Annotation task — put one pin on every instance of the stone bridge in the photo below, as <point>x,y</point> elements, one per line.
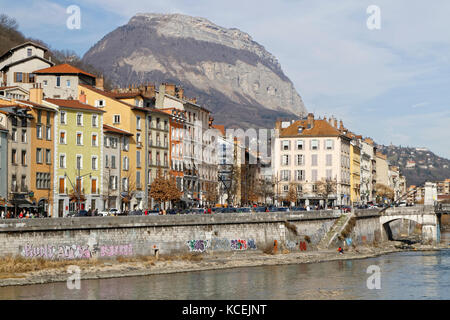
<point>426,216</point>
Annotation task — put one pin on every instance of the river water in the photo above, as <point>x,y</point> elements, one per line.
<point>404,275</point>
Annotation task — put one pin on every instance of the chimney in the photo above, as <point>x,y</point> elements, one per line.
<point>82,98</point>
<point>181,93</point>
<point>170,89</point>
<point>310,120</point>
<point>335,123</point>
<point>341,125</point>
<point>150,91</point>
<point>99,83</point>
<point>36,93</point>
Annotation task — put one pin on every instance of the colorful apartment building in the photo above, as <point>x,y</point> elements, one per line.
<point>42,142</point>
<point>61,81</point>
<point>307,151</point>
<point>78,157</point>
<point>355,170</point>
<point>18,64</point>
<point>130,118</point>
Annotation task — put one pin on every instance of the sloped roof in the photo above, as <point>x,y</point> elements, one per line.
<point>73,104</point>
<point>64,68</point>
<point>113,96</point>
<point>107,128</point>
<point>321,128</point>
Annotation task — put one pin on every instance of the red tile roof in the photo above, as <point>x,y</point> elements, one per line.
<point>219,127</point>
<point>64,68</point>
<point>320,128</point>
<point>74,104</point>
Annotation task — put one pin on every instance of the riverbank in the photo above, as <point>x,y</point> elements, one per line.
<point>144,266</point>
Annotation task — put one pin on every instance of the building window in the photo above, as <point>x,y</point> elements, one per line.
<point>314,159</point>
<point>299,160</point>
<point>39,116</point>
<point>24,157</point>
<point>58,81</point>
<point>48,156</point>
<point>116,118</point>
<point>106,161</point>
<point>285,175</point>
<point>24,136</point>
<point>285,145</point>
<point>125,143</point>
<point>94,140</point>
<point>39,131</point>
<point>19,77</point>
<point>125,163</point>
<point>138,122</point>
<point>45,82</point>
<point>13,156</point>
<point>48,133</point>
<point>314,175</point>
<point>329,159</point>
<point>329,174</point>
<point>42,180</point>
<point>63,117</point>
<point>314,144</point>
<point>79,119</point>
<point>39,155</point>
<point>29,52</point>
<point>285,160</point>
<point>68,83</point>
<point>138,159</point>
<point>100,103</point>
<point>300,175</point>
<point>14,134</point>
<point>286,188</point>
<point>138,179</point>
<point>95,120</point>
<point>329,144</point>
<point>79,162</point>
<point>125,184</point>
<point>94,163</point>
<point>299,144</point>
<point>62,160</point>
<point>113,162</point>
<point>62,137</point>
<point>79,138</point>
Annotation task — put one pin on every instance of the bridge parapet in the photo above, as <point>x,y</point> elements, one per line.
<point>417,209</point>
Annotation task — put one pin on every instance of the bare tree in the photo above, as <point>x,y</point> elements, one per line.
<point>326,187</point>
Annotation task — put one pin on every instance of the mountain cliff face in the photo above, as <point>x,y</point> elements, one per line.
<point>230,74</point>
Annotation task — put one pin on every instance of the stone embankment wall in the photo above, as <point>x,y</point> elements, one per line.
<point>109,237</point>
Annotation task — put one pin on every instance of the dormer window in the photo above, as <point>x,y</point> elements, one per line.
<point>29,52</point>
<point>300,129</point>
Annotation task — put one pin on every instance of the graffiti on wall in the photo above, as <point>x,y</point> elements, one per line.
<point>221,244</point>
<point>75,251</point>
<point>292,245</point>
<point>198,245</point>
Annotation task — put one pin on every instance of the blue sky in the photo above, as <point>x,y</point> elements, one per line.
<point>391,84</point>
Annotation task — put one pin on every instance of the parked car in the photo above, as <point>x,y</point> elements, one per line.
<point>109,212</point>
<point>298,209</point>
<point>152,212</point>
<point>82,213</point>
<point>171,211</point>
<point>259,209</point>
<point>198,211</point>
<point>242,210</point>
<point>228,210</point>
<point>136,213</point>
<point>346,209</point>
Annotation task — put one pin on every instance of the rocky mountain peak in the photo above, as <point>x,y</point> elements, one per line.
<point>230,73</point>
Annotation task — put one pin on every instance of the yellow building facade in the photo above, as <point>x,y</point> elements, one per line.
<point>355,172</point>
